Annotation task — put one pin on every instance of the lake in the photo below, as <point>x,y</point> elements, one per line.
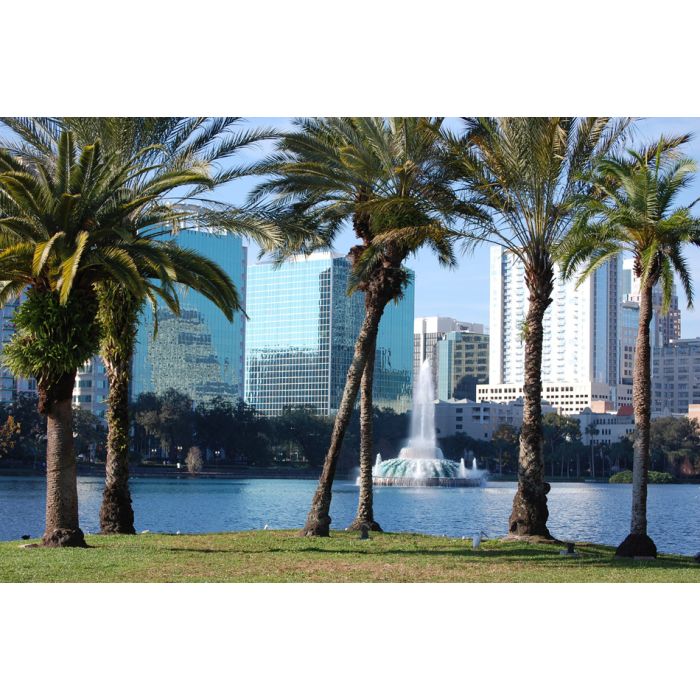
<point>578,511</point>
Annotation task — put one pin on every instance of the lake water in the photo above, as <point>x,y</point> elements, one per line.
<point>583,512</point>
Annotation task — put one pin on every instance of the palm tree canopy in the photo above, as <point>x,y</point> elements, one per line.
<point>636,211</point>
<point>168,144</point>
<point>385,176</point>
<point>188,155</point>
<point>529,174</point>
<point>66,217</point>
<point>65,226</point>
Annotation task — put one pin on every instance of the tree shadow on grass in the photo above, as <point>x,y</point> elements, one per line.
<point>524,554</point>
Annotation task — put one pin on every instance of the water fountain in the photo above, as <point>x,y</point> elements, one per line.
<point>421,462</point>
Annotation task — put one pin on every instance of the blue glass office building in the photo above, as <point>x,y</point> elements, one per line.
<point>199,353</point>
<point>301,334</point>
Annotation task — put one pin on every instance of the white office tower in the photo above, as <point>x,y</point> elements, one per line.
<point>91,390</point>
<point>579,358</point>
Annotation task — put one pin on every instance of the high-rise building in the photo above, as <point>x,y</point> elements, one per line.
<point>676,376</point>
<point>301,335</point>
<point>664,327</point>
<point>427,331</point>
<point>199,352</point>
<point>580,343</point>
<point>629,325</point>
<point>580,325</point>
<point>463,362</point>
<point>606,288</point>
<point>91,388</point>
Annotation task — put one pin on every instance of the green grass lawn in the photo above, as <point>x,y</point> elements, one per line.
<point>280,556</point>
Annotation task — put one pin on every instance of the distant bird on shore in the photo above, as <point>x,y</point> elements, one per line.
<point>266,526</point>
<point>26,537</point>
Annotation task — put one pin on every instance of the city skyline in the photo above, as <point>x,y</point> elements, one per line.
<point>431,285</point>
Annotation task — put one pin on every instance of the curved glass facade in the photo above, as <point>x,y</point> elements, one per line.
<point>199,353</point>
<point>301,335</point>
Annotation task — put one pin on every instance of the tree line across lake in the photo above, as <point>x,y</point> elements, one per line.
<point>168,428</point>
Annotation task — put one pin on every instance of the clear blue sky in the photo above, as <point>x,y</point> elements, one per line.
<point>463,293</point>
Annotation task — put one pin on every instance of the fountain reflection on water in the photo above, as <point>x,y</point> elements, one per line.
<point>421,462</point>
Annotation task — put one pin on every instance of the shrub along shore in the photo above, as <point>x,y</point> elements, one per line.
<point>282,556</point>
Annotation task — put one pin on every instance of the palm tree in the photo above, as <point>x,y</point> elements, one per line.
<point>118,314</point>
<point>62,232</point>
<point>637,213</point>
<point>529,175</point>
<point>183,142</point>
<point>365,501</point>
<point>164,147</point>
<point>386,177</point>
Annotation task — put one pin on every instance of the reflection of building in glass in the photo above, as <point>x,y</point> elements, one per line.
<point>10,385</point>
<point>199,353</point>
<point>301,336</point>
<point>184,341</point>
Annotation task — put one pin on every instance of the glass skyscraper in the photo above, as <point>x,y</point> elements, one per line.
<point>199,352</point>
<point>301,334</point>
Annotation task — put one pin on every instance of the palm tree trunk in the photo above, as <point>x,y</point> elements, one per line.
<point>62,528</point>
<point>638,543</point>
<point>529,515</point>
<point>116,512</point>
<point>318,519</point>
<point>365,510</point>
<point>119,313</point>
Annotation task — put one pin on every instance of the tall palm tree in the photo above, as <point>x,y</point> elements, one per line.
<point>365,500</point>
<point>386,178</point>
<point>529,174</point>
<point>62,235</point>
<point>637,212</point>
<point>165,146</point>
<point>118,314</point>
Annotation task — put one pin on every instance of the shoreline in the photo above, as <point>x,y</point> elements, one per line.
<point>172,472</point>
<point>283,473</point>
